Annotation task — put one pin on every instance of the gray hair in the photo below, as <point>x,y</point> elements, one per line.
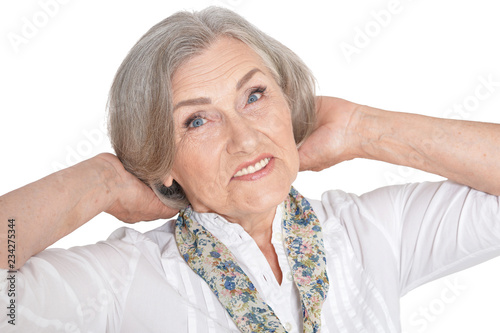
<point>140,103</point>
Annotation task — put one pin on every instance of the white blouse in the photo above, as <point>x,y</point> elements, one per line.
<point>378,247</point>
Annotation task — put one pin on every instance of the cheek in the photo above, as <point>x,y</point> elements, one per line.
<point>279,128</point>
<point>288,141</point>
<point>196,162</point>
<point>185,155</point>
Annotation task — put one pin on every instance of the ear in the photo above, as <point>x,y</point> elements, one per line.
<point>168,180</point>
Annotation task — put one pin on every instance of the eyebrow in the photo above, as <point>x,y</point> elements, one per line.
<point>194,101</point>
<point>206,100</point>
<point>246,78</point>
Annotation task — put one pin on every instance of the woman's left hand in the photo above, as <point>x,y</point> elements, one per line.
<point>466,152</point>
<point>334,137</point>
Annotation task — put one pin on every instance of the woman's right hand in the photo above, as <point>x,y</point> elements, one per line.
<point>50,208</point>
<point>133,201</point>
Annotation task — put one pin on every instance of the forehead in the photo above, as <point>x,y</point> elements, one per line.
<point>223,63</point>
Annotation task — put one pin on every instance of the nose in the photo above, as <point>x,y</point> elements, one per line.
<point>243,137</point>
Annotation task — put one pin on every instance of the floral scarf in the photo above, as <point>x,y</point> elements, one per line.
<point>215,264</point>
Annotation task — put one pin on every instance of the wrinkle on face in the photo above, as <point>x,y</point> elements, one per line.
<point>235,132</point>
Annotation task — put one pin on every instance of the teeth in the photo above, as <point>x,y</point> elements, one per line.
<point>253,168</point>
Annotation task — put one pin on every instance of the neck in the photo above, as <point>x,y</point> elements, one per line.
<point>260,228</point>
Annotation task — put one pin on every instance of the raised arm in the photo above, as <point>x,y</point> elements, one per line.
<point>52,207</point>
<point>464,151</point>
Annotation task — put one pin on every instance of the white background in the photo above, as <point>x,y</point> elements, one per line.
<point>426,58</point>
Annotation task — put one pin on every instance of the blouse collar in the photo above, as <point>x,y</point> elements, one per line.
<point>229,232</point>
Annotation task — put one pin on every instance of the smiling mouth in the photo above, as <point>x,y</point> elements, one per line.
<point>253,168</point>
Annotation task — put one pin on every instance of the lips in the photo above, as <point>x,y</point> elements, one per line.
<point>254,169</point>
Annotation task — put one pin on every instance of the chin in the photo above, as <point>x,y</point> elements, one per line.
<point>270,196</point>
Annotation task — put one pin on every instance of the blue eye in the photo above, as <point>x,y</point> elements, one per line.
<point>197,122</point>
<point>255,96</point>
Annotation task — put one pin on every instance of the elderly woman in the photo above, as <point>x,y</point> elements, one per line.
<point>209,112</point>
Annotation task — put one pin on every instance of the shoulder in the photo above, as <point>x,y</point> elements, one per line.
<point>384,202</point>
<point>153,240</point>
<point>124,244</point>
<point>341,207</point>
<point>377,216</point>
<point>393,213</point>
<point>132,236</point>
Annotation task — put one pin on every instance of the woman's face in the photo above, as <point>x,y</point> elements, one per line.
<point>236,154</point>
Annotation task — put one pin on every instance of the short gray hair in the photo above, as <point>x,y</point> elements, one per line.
<point>140,102</point>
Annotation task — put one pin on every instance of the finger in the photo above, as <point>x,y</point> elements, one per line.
<point>304,159</point>
<point>162,211</point>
